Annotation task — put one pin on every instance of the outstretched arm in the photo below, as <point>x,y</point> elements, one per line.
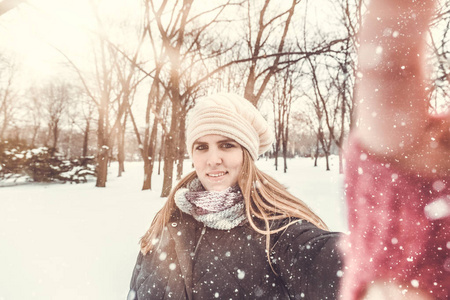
<point>402,171</point>
<point>392,98</point>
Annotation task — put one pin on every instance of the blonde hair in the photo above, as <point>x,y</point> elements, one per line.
<point>265,199</point>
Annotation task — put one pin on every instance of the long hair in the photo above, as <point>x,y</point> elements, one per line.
<point>265,200</point>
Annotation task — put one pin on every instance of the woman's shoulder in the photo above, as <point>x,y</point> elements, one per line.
<point>303,232</point>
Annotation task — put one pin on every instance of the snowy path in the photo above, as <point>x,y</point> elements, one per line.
<point>64,241</point>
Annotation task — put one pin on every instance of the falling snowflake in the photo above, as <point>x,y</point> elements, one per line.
<point>437,209</point>
<point>163,256</point>
<point>438,185</point>
<point>240,274</point>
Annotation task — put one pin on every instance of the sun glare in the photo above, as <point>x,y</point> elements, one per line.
<point>35,33</point>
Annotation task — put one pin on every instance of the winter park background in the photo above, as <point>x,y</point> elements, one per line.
<point>76,241</point>
<point>111,82</point>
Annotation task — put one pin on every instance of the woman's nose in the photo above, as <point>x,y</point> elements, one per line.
<point>214,157</point>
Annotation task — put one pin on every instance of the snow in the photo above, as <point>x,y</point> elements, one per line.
<point>76,241</point>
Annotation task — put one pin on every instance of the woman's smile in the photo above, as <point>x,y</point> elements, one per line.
<point>219,174</point>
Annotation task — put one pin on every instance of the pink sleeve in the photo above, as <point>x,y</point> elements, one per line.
<point>399,227</point>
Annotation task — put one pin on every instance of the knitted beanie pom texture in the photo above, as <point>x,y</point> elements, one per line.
<point>231,116</point>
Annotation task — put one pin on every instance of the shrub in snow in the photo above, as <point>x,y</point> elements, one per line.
<point>12,160</point>
<point>42,165</point>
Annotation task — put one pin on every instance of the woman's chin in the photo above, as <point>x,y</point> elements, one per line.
<point>216,186</point>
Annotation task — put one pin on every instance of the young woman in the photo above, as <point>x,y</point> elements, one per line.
<point>228,230</point>
<point>398,166</point>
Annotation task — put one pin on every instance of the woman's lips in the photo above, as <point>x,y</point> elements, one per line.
<point>216,175</point>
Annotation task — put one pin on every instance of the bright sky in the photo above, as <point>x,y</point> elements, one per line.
<point>31,31</point>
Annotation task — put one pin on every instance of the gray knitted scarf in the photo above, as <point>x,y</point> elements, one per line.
<point>219,210</point>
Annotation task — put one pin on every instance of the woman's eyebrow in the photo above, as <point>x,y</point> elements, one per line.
<point>226,141</point>
<point>200,143</point>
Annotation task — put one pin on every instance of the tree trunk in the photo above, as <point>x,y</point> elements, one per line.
<point>276,158</point>
<point>180,162</point>
<point>149,158</point>
<point>86,138</point>
<point>285,137</point>
<point>285,154</point>
<point>102,155</point>
<point>276,127</point>
<point>161,153</point>
<point>102,167</point>
<point>121,149</point>
<point>181,145</point>
<point>170,149</point>
<point>316,155</point>
<point>55,135</point>
<point>326,149</point>
<point>148,170</point>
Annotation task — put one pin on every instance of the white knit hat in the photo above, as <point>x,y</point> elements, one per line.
<point>232,116</point>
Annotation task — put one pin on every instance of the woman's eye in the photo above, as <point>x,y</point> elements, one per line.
<point>201,147</point>
<point>228,145</point>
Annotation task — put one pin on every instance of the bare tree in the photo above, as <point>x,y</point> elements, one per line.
<point>128,78</point>
<point>155,100</point>
<point>316,123</point>
<point>332,98</point>
<point>347,66</point>
<point>282,103</point>
<point>55,97</point>
<point>33,113</point>
<point>270,37</point>
<point>110,87</point>
<point>282,98</point>
<point>302,137</point>
<point>173,38</point>
<point>82,113</point>
<point>332,76</point>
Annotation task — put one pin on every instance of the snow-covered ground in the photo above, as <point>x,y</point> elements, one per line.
<point>69,241</point>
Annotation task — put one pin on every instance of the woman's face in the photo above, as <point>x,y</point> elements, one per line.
<point>217,161</point>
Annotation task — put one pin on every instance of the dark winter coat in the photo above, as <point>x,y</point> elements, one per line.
<point>195,262</point>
